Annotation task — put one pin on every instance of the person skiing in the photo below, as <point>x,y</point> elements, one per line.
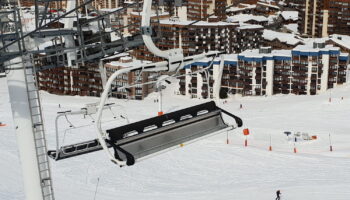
<point>278,193</point>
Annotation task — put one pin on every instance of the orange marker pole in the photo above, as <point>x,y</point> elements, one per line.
<point>246,133</point>
<point>270,148</point>
<point>160,103</point>
<point>330,144</point>
<point>295,149</point>
<point>227,140</point>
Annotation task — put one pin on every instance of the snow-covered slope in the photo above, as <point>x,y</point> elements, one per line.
<point>209,169</point>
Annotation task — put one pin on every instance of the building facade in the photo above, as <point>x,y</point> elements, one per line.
<point>306,70</point>
<point>204,36</point>
<point>82,81</point>
<point>202,9</point>
<point>323,18</point>
<point>136,79</point>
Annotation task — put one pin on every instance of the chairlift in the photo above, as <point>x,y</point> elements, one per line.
<point>138,140</point>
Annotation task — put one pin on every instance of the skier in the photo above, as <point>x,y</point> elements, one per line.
<point>278,193</point>
<point>240,106</point>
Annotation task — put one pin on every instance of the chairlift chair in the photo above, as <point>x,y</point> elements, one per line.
<point>138,140</point>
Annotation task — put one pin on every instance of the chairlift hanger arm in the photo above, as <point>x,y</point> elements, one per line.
<point>83,111</point>
<point>173,56</point>
<point>102,137</point>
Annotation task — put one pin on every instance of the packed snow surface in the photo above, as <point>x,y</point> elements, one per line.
<point>208,169</point>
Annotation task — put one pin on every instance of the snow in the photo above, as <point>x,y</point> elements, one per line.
<point>241,7</point>
<point>254,53</point>
<point>268,4</point>
<point>153,14</point>
<point>208,169</point>
<point>244,26</point>
<point>308,46</point>
<point>283,37</point>
<point>198,23</point>
<point>290,15</point>
<point>110,9</point>
<point>241,18</point>
<point>342,40</point>
<point>133,63</point>
<point>292,27</point>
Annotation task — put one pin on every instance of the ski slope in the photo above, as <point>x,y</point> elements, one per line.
<point>206,170</point>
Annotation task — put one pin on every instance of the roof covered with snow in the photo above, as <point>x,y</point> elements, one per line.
<point>243,26</point>
<point>287,38</point>
<point>241,7</point>
<point>342,40</point>
<point>133,63</point>
<point>154,14</point>
<point>290,15</point>
<point>292,27</point>
<point>254,53</point>
<point>269,4</point>
<point>200,23</point>
<point>247,17</point>
<point>316,47</point>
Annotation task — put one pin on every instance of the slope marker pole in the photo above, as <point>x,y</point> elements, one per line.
<point>98,180</point>
<point>330,143</point>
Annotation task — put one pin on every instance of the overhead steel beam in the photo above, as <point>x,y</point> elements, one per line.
<point>45,25</point>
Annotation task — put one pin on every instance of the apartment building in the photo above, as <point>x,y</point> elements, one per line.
<point>201,9</point>
<point>249,19</point>
<point>204,36</point>
<point>241,9</point>
<point>267,7</point>
<point>341,41</point>
<point>27,3</point>
<point>323,18</point>
<point>135,78</point>
<point>61,4</point>
<point>82,81</point>
<point>107,4</point>
<point>279,40</point>
<point>247,36</point>
<point>308,69</point>
<point>54,4</point>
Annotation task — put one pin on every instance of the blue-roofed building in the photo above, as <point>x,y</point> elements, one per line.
<point>306,70</point>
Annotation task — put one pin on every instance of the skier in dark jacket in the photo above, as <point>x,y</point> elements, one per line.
<point>278,193</point>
